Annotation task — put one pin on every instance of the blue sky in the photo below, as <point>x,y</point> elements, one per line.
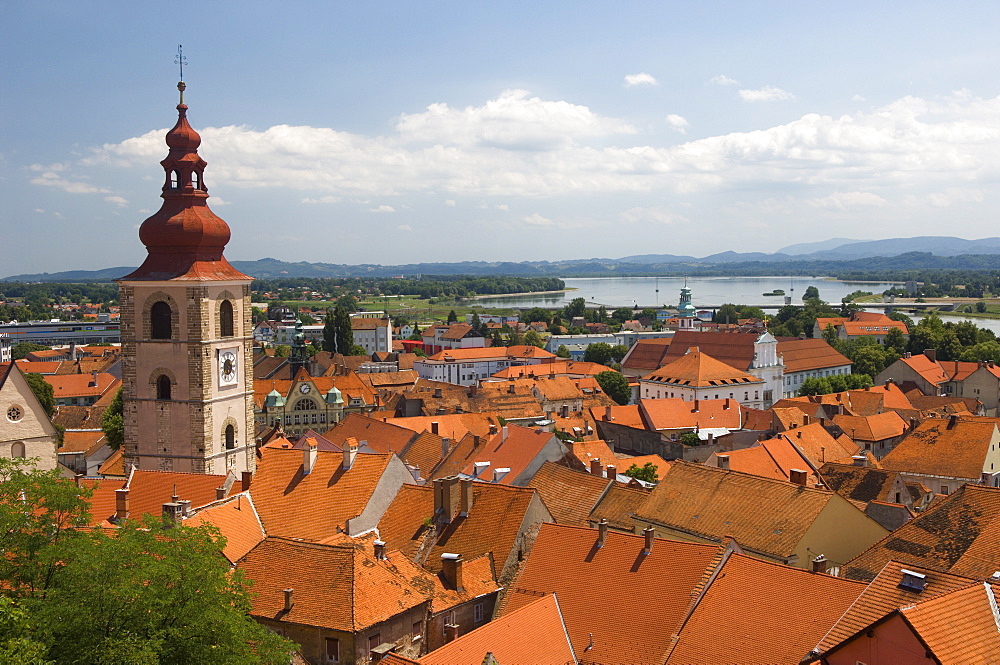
<point>403,132</point>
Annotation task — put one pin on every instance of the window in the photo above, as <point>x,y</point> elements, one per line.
<point>226,318</point>
<point>478,612</point>
<point>175,180</point>
<point>418,631</point>
<point>196,180</point>
<point>14,414</point>
<point>230,437</point>
<point>17,449</point>
<point>163,387</point>
<point>449,617</point>
<point>374,641</point>
<point>159,320</point>
<point>305,405</point>
<point>944,489</point>
<point>332,650</point>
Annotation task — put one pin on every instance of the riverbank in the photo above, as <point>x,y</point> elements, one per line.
<point>487,296</point>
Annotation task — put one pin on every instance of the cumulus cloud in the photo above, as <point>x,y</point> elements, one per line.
<point>678,123</point>
<point>848,200</point>
<point>120,201</point>
<point>49,177</point>
<point>321,199</point>
<point>722,79</point>
<point>382,208</point>
<point>503,206</point>
<point>642,78</point>
<point>955,195</point>
<point>858,98</point>
<point>39,210</point>
<point>535,219</point>
<point>766,94</point>
<point>404,227</point>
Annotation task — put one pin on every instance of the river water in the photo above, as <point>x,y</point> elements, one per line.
<point>705,292</point>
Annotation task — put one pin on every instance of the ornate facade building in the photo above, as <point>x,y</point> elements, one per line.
<point>186,330</point>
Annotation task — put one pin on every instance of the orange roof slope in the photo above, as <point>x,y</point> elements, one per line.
<point>944,447</point>
<point>859,483</point>
<point>81,385</point>
<point>569,495</point>
<point>585,451</point>
<point>521,352</point>
<point>736,349</point>
<point>714,503</point>
<point>801,355</point>
<point>381,436</point>
<point>491,526</point>
<point>773,458</point>
<point>647,354</point>
<point>81,441</point>
<point>618,506</point>
<point>929,370</point>
<point>149,490</point>
<point>961,626</point>
<point>238,522</point>
<point>541,639</point>
<point>339,586</point>
<point>769,613</point>
<point>452,425</point>
<point>515,451</point>
<point>884,594</point>
<point>599,589</point>
<point>958,534</point>
<point>877,427</point>
<point>316,505</point>
<point>818,445</point>
<point>676,413</point>
<point>699,370</point>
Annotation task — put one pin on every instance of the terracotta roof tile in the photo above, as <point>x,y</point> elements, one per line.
<point>82,385</point>
<point>623,463</point>
<point>569,495</point>
<point>945,447</point>
<point>114,465</point>
<point>676,413</point>
<point>558,367</point>
<point>628,415</point>
<point>492,352</point>
<point>773,458</point>
<point>735,349</point>
<point>959,627</point>
<point>878,427</point>
<point>618,506</point>
<point>149,490</point>
<point>696,369</point>
<point>452,425</point>
<point>381,436</point>
<point>817,445</point>
<point>585,451</point>
<point>801,355</point>
<point>80,441</point>
<point>859,483</point>
<point>647,354</point>
<point>237,520</point>
<point>542,639</point>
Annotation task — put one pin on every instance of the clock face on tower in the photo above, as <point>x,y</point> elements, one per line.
<point>227,367</point>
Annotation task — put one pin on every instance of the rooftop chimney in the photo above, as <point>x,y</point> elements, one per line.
<point>913,422</point>
<point>506,432</point>
<point>888,382</point>
<point>612,472</point>
<point>288,599</point>
<point>695,409</point>
<point>860,460</point>
<point>805,421</point>
<point>648,545</point>
<point>607,413</point>
<point>437,393</point>
<point>220,493</point>
<point>445,446</point>
<point>350,450</point>
<point>511,388</point>
<point>450,632</point>
<point>443,504</point>
<point>602,532</point>
<point>798,476</point>
<point>380,550</point>
<point>309,457</point>
<point>451,568</point>
<point>931,354</point>
<point>952,421</point>
<point>722,461</point>
<point>595,466</point>
<point>435,427</point>
<point>819,564</point>
<point>245,479</point>
<point>121,504</point>
<point>173,511</point>
<point>93,379</point>
<point>466,503</point>
<point>499,474</point>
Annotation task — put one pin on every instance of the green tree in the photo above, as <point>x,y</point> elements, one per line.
<point>452,317</point>
<point>338,336</point>
<point>357,350</point>
<point>618,352</point>
<point>282,351</point>
<point>536,315</point>
<point>598,352</point>
<point>576,307</point>
<point>622,314</point>
<point>17,647</point>
<point>811,293</point>
<point>532,338</point>
<point>113,422</point>
<point>22,349</point>
<point>43,391</point>
<point>981,307</point>
<point>816,386</point>
<point>727,313</point>
<point>348,302</point>
<point>690,439</point>
<point>563,352</point>
<point>870,359</point>
<point>857,381</point>
<point>615,386</point>
<point>894,339</point>
<point>477,323</point>
<point>830,335</point>
<point>646,472</point>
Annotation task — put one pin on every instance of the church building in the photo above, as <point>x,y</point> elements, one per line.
<point>186,331</point>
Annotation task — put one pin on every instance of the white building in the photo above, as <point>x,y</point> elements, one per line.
<point>466,367</point>
<point>374,334</point>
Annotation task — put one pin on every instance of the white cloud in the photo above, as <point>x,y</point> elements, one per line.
<point>321,199</point>
<point>219,201</point>
<point>722,79</point>
<point>39,210</point>
<point>50,178</point>
<point>59,215</point>
<point>848,200</point>
<point>955,195</point>
<point>503,206</point>
<point>404,227</point>
<point>656,215</point>
<point>678,123</point>
<point>450,203</point>
<point>641,78</point>
<point>120,201</point>
<point>858,98</point>
<point>382,208</point>
<point>766,94</point>
<point>535,219</point>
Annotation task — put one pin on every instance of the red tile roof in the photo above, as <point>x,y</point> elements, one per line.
<point>149,490</point>
<point>237,521</point>
<point>878,427</point>
<point>695,369</point>
<point>569,495</point>
<point>676,413</point>
<point>81,385</point>
<point>801,355</point>
<point>945,447</point>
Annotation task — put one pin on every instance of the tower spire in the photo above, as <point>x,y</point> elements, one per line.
<point>180,62</point>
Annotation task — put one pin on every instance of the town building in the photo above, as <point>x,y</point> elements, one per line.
<point>809,359</point>
<point>25,429</point>
<point>696,375</point>
<point>860,324</point>
<point>466,367</point>
<point>186,330</point>
<point>371,333</point>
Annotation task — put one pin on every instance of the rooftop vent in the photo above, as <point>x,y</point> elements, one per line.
<point>912,581</point>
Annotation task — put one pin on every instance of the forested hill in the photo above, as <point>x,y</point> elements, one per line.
<point>857,268</point>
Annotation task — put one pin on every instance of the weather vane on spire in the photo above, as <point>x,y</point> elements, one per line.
<point>181,61</point>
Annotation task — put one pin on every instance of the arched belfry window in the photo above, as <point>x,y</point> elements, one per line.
<point>163,387</point>
<point>159,320</point>
<point>196,180</point>
<point>226,318</point>
<point>230,437</point>
<point>175,180</point>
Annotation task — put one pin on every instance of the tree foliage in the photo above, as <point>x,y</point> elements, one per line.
<point>20,350</point>
<point>615,386</point>
<point>598,352</point>
<point>338,336</point>
<point>43,391</point>
<point>646,472</point>
<point>113,422</point>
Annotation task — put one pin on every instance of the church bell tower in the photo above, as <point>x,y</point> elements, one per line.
<point>187,370</point>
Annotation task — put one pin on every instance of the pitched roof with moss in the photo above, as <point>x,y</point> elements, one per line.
<point>945,447</point>
<point>569,495</point>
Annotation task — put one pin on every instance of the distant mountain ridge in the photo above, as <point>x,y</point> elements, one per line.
<point>896,253</point>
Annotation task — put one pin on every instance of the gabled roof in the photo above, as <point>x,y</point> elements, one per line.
<point>547,369</point>
<point>735,349</point>
<point>515,450</point>
<point>82,441</point>
<point>628,415</point>
<point>676,413</point>
<point>237,520</point>
<point>773,458</point>
<point>492,352</point>
<point>369,323</point>
<point>381,436</point>
<point>817,445</point>
<point>618,506</point>
<point>647,354</point>
<point>929,370</point>
<point>541,639</point>
<point>569,495</point>
<point>699,370</point>
<point>802,355</point>
<point>459,330</point>
<point>944,447</point>
<point>962,626</point>
<point>714,504</point>
<point>599,589</point>
<point>858,483</point>
<point>492,524</point>
<point>316,505</point>
<point>340,586</point>
<point>149,490</point>
<point>878,427</point>
<point>555,388</point>
<point>585,451</point>
<point>81,385</point>
<point>960,534</point>
<point>758,612</point>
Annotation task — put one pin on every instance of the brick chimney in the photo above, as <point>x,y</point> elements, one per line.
<point>931,354</point>
<point>607,413</point>
<point>505,434</point>
<point>121,504</point>
<point>288,599</point>
<point>450,632</point>
<point>798,476</point>
<point>602,532</point>
<point>466,499</point>
<point>952,421</point>
<point>444,503</point>
<point>819,564</point>
<point>612,472</point>
<point>722,461</point>
<point>350,450</point>
<point>595,466</point>
<point>695,409</point>
<point>647,534</point>
<point>309,457</point>
<point>451,568</point>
